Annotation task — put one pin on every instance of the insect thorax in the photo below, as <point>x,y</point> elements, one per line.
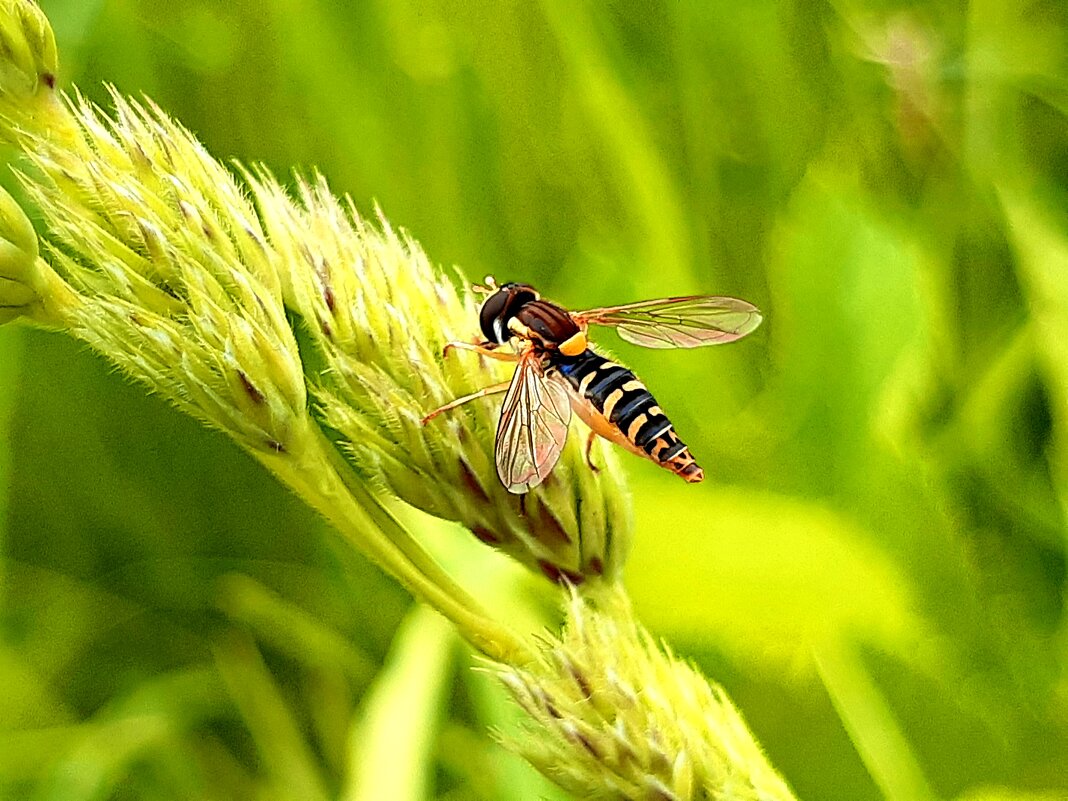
<point>547,323</point>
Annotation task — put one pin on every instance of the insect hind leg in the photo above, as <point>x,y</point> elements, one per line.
<point>589,452</point>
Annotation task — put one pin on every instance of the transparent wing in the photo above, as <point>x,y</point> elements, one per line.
<point>533,426</point>
<point>678,322</point>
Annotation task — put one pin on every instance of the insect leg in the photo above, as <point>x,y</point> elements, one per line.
<point>589,452</point>
<point>490,390</point>
<point>481,348</point>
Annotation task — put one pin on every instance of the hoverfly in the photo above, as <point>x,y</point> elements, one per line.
<point>557,372</point>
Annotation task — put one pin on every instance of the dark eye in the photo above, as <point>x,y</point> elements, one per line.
<point>492,310</point>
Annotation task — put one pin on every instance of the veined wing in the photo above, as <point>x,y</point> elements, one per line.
<point>687,322</point>
<point>533,426</point>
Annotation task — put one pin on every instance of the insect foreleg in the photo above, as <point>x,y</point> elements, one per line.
<point>465,399</point>
<point>486,349</point>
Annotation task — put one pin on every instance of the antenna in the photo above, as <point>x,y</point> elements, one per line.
<point>489,288</point>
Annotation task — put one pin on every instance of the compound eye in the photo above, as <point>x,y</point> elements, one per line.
<point>491,317</point>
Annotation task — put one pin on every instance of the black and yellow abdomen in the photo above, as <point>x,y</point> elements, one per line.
<point>617,406</point>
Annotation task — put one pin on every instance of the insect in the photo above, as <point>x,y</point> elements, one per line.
<point>557,372</point>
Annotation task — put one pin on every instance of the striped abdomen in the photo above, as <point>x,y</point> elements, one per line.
<point>625,412</point>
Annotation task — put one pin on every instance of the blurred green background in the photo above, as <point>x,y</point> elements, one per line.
<point>875,568</point>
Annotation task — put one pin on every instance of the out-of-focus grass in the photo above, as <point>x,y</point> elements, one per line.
<point>876,566</point>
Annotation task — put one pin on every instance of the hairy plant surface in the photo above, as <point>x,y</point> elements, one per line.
<point>216,502</point>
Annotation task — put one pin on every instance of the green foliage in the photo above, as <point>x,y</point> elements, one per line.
<point>875,568</point>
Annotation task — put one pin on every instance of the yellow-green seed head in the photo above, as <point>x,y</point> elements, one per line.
<point>176,273</point>
<point>29,288</point>
<point>18,256</point>
<point>615,717</point>
<point>381,315</point>
<point>28,67</point>
<point>176,276</point>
